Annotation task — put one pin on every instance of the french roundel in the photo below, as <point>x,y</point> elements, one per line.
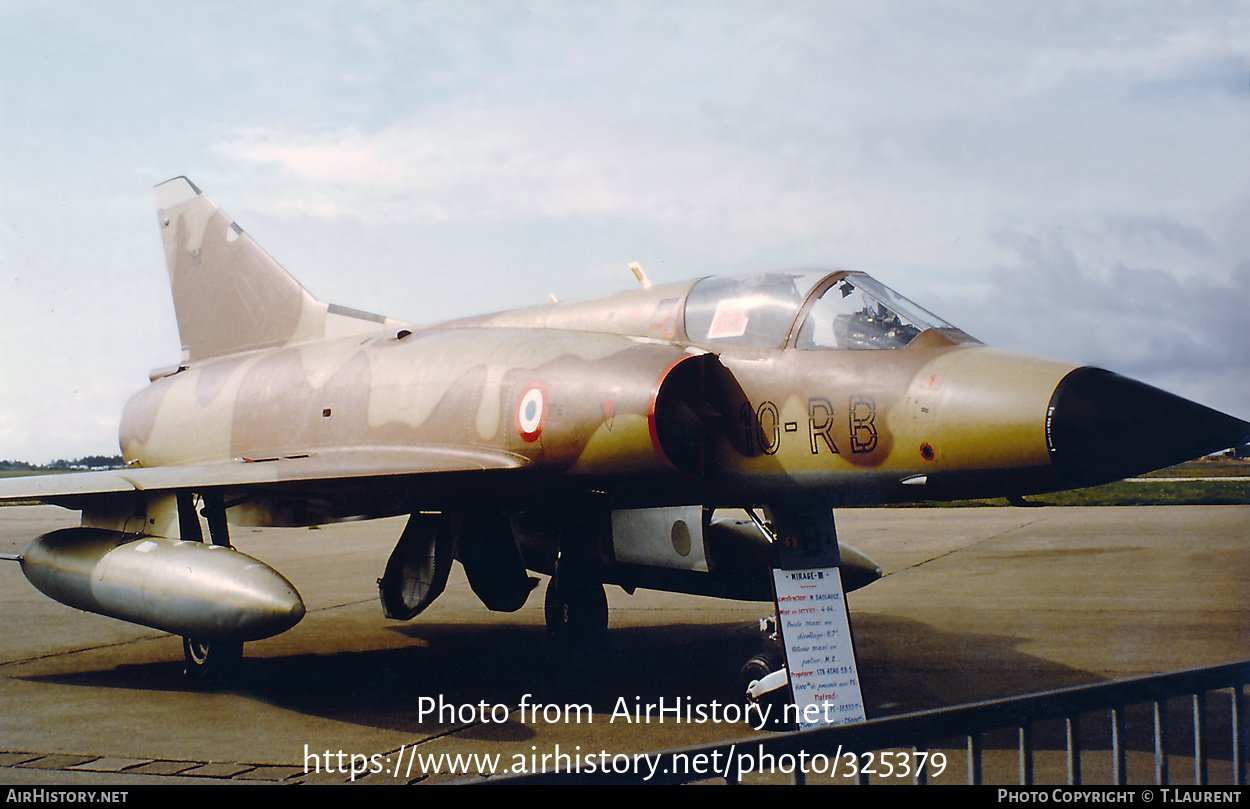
<point>531,411</point>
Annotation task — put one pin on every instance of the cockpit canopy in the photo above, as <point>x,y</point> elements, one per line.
<point>842,310</point>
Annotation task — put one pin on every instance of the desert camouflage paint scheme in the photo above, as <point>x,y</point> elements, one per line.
<point>590,440</point>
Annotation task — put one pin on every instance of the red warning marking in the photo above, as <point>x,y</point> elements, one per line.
<point>609,408</point>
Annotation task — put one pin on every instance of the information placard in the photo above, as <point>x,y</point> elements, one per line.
<point>816,631</point>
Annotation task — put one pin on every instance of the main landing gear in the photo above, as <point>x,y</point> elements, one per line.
<point>207,662</point>
<point>575,607</point>
<point>211,662</point>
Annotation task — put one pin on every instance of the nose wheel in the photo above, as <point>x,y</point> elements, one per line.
<point>211,662</point>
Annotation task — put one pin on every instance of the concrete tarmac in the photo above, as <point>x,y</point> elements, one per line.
<point>975,604</point>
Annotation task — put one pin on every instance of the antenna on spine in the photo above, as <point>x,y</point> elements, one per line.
<point>643,281</point>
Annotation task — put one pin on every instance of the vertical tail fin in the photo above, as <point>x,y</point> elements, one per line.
<point>229,295</point>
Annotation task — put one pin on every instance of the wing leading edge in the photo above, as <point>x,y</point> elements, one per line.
<point>326,466</point>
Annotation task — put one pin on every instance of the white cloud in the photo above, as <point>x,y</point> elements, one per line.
<point>466,164</point>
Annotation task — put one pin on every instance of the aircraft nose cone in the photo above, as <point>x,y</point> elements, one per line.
<point>1102,427</point>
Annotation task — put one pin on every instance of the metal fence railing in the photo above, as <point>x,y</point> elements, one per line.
<point>1138,713</point>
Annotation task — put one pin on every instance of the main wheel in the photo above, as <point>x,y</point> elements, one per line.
<point>575,609</point>
<point>211,662</point>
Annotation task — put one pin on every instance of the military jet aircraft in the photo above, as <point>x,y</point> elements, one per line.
<point>591,441</point>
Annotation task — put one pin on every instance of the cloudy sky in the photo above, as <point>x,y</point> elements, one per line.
<point>1067,179</point>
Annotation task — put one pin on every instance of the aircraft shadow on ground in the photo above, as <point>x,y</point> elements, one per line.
<point>904,666</point>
